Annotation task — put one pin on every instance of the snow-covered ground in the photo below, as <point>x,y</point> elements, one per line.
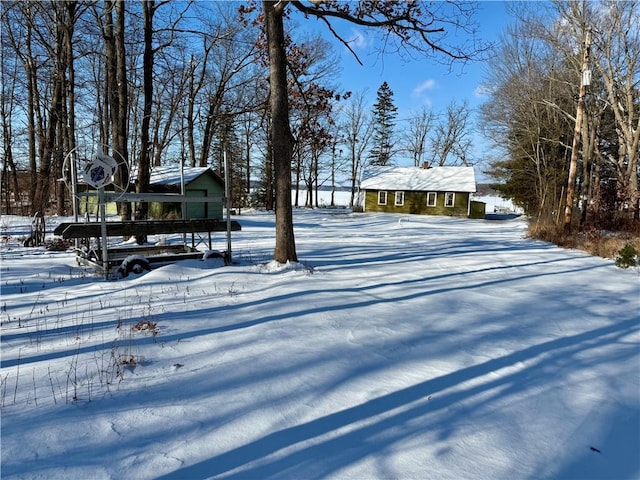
<point>399,347</point>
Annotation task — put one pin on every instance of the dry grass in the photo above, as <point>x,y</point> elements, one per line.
<point>146,326</point>
<point>606,244</point>
<point>601,243</point>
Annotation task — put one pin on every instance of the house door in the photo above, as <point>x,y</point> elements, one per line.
<point>197,209</point>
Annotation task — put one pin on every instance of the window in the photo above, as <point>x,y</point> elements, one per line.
<point>382,197</point>
<point>449,199</point>
<point>399,199</point>
<point>431,199</point>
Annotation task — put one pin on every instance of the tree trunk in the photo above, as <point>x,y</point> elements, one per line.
<point>247,161</point>
<point>111,96</point>
<point>47,142</point>
<point>354,170</point>
<point>281,138</point>
<point>209,130</point>
<point>298,169</point>
<point>589,131</point>
<point>268,172</point>
<point>191,98</point>
<point>50,135</point>
<point>62,142</point>
<point>144,160</point>
<point>315,177</point>
<point>69,129</point>
<point>32,92</point>
<point>573,166</point>
<point>122,103</point>
<point>9,171</point>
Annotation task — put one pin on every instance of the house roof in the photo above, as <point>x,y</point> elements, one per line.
<point>170,175</point>
<point>438,179</point>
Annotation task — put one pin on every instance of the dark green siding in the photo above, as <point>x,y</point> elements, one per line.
<point>204,185</point>
<point>416,202</point>
<point>478,209</point>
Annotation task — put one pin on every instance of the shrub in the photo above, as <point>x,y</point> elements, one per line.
<point>623,246</point>
<point>58,245</point>
<point>627,257</point>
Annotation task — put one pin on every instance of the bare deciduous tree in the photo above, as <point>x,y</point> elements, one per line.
<point>451,138</point>
<point>419,126</point>
<point>8,103</point>
<point>358,130</point>
<point>407,26</point>
<point>539,77</point>
<point>617,59</point>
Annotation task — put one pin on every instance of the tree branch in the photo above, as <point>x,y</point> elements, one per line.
<point>406,22</point>
<point>342,40</point>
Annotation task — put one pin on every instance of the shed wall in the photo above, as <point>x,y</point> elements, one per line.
<point>205,185</point>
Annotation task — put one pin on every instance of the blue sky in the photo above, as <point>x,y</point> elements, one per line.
<point>420,82</point>
<point>423,82</point>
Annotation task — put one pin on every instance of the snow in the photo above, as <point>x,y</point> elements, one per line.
<point>171,175</point>
<point>398,347</point>
<point>496,204</point>
<point>438,179</point>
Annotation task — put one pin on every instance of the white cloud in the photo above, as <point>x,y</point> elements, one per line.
<point>358,39</point>
<point>424,87</point>
<point>482,91</point>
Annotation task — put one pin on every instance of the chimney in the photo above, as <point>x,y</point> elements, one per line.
<point>425,165</point>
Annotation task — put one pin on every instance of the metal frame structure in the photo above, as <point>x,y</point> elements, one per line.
<point>106,259</point>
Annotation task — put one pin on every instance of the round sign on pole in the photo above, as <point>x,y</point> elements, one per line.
<point>95,171</point>
<point>99,171</point>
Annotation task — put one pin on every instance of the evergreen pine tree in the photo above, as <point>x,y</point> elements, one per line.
<point>384,115</point>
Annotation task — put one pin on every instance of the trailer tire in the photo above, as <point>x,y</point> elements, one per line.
<point>136,264</point>
<point>211,254</point>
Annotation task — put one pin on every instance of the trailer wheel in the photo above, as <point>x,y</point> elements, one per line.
<point>210,254</point>
<point>133,264</point>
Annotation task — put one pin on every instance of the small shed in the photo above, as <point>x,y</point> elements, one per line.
<point>198,182</point>
<point>424,191</point>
